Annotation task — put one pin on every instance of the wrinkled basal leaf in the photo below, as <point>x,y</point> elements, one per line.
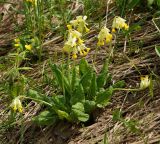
<point>102,99</point>
<point>78,95</point>
<point>79,112</point>
<point>45,118</point>
<point>89,106</point>
<point>63,115</point>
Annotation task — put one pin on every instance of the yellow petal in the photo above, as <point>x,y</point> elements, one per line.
<point>20,109</point>
<point>113,30</point>
<point>100,43</point>
<point>28,47</point>
<point>145,82</point>
<point>81,53</point>
<point>14,108</point>
<point>17,40</point>
<point>87,29</point>
<point>69,27</point>
<point>74,56</point>
<point>88,49</point>
<point>126,26</point>
<point>84,53</point>
<point>80,41</point>
<point>17,45</point>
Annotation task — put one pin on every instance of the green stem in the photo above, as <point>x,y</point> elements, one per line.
<point>125,89</point>
<point>95,55</point>
<point>46,103</point>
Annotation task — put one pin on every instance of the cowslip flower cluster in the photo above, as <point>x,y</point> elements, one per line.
<point>119,23</point>
<point>16,105</point>
<point>104,35</point>
<point>145,82</point>
<point>80,24</point>
<point>75,44</point>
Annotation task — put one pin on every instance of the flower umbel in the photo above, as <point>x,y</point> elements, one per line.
<point>145,82</point>
<point>104,35</point>
<point>119,23</point>
<point>73,37</point>
<point>17,105</point>
<point>74,44</point>
<point>80,24</point>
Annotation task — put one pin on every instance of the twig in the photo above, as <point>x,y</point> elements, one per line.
<point>156,24</point>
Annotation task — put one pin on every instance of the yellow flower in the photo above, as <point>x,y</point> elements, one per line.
<point>74,56</point>
<point>32,40</point>
<point>28,47</point>
<point>17,45</point>
<point>69,27</point>
<point>119,23</point>
<point>72,40</point>
<point>104,35</point>
<point>145,82</point>
<point>17,40</point>
<point>80,24</point>
<point>113,30</point>
<point>80,41</point>
<point>17,105</point>
<point>83,50</point>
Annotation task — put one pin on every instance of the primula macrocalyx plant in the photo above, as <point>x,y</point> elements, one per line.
<point>17,105</point>
<point>119,23</point>
<point>80,24</point>
<point>104,35</point>
<point>145,82</point>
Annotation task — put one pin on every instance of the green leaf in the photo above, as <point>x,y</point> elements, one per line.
<point>89,106</point>
<point>63,114</point>
<point>61,79</point>
<point>25,68</point>
<point>74,79</point>
<point>119,84</point>
<point>86,80</point>
<point>79,112</point>
<point>93,87</point>
<point>105,139</point>
<point>101,79</point>
<point>78,95</point>
<point>150,2</point>
<point>45,118</point>
<point>105,66</point>
<point>132,125</point>
<point>38,97</point>
<point>34,94</point>
<point>157,49</point>
<point>102,99</point>
<point>83,66</point>
<point>158,3</point>
<point>117,115</point>
<point>59,102</point>
<point>132,4</point>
